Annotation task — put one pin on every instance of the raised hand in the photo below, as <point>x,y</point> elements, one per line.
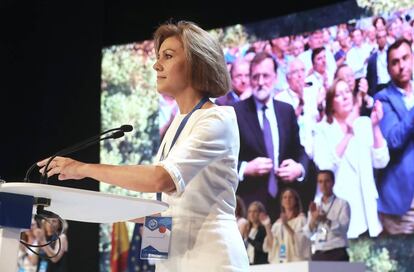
<point>264,219</point>
<point>376,113</point>
<point>313,210</point>
<point>363,86</point>
<point>283,217</point>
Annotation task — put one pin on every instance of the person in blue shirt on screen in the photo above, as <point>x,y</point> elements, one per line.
<point>395,182</point>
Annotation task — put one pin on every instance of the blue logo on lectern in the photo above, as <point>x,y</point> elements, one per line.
<point>152,224</point>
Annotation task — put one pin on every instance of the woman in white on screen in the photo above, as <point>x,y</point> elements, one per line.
<point>198,175</point>
<point>352,146</point>
<point>285,241</point>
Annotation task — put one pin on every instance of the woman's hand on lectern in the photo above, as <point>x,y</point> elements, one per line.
<point>66,168</point>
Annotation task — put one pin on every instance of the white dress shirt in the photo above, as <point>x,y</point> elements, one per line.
<point>271,116</point>
<point>383,76</point>
<point>408,99</point>
<point>357,58</point>
<point>338,213</point>
<point>308,120</point>
<point>306,58</point>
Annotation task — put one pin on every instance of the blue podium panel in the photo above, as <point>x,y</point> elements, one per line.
<point>16,210</point>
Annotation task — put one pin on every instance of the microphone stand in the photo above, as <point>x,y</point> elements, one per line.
<point>120,130</point>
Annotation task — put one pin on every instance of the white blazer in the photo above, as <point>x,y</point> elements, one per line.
<point>354,176</point>
<point>203,165</point>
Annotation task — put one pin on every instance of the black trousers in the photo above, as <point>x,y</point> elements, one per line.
<point>336,254</point>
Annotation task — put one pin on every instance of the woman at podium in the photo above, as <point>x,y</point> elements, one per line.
<point>196,165</point>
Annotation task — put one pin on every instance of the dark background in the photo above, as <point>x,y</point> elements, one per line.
<point>50,53</point>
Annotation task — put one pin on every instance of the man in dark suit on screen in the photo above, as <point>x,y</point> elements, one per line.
<point>377,73</point>
<point>240,83</point>
<point>271,156</point>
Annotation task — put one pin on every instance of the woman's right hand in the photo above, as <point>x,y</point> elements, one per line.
<point>314,213</point>
<point>376,113</point>
<point>66,168</point>
<point>284,218</point>
<point>313,210</point>
<point>264,219</point>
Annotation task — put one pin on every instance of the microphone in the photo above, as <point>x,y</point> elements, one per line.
<point>308,84</point>
<point>126,128</point>
<point>119,132</point>
<point>115,135</point>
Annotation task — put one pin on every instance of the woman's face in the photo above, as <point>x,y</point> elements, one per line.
<point>253,214</point>
<point>343,100</point>
<point>288,200</point>
<point>171,67</point>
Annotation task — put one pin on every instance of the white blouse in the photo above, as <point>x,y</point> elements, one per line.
<point>354,176</point>
<point>298,245</point>
<point>203,166</point>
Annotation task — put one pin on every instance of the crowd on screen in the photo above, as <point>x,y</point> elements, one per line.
<point>50,234</point>
<point>333,107</point>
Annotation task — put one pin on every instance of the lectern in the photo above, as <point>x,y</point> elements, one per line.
<point>313,266</point>
<point>68,203</point>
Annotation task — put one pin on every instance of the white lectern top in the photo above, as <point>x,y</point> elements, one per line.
<point>87,206</point>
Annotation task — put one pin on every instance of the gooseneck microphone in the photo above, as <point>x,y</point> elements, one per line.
<point>126,128</point>
<point>123,128</point>
<point>115,135</point>
<point>119,132</point>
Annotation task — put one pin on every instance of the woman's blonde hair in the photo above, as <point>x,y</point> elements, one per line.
<point>205,58</point>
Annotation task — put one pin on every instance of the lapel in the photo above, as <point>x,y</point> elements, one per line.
<point>374,65</point>
<point>397,102</point>
<point>352,151</point>
<point>230,98</point>
<point>253,121</point>
<point>280,125</point>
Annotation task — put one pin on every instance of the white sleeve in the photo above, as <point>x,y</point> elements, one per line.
<point>274,230</point>
<point>380,156</point>
<point>302,242</point>
<point>340,222</point>
<point>243,165</point>
<point>325,155</point>
<point>211,137</point>
<point>306,229</point>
